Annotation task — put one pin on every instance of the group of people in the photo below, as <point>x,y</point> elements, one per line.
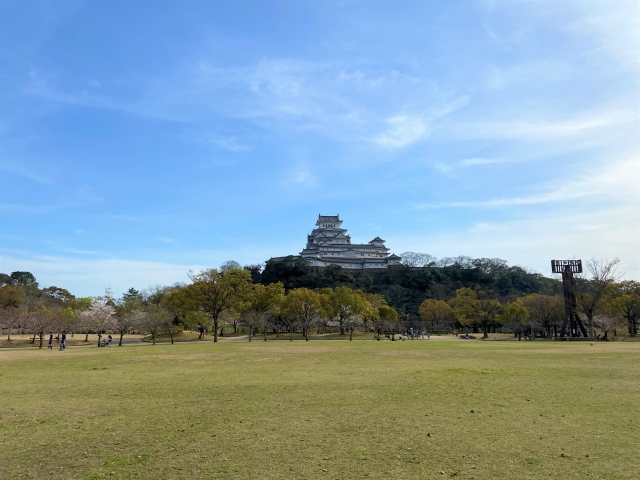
<point>63,341</point>
<point>416,334</point>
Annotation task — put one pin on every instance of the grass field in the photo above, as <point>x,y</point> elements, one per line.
<point>335,410</point>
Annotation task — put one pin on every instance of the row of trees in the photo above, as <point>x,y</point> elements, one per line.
<point>25,307</point>
<point>231,296</point>
<point>216,295</point>
<point>605,304</point>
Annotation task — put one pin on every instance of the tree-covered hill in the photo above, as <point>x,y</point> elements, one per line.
<point>405,287</point>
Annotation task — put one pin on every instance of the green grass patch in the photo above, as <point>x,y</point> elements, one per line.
<point>329,409</point>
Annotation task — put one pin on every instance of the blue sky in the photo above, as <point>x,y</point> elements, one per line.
<point>141,140</point>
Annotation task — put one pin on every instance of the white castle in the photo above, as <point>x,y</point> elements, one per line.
<point>328,244</point>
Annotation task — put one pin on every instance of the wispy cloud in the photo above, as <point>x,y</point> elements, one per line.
<point>468,162</point>
<point>533,241</point>
<point>227,143</point>
<point>41,86</point>
<point>300,175</point>
<point>613,181</point>
<point>403,130</point>
<point>86,276</point>
<point>583,124</point>
<point>40,175</point>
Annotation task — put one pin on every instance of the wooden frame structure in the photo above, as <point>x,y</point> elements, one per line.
<point>572,326</point>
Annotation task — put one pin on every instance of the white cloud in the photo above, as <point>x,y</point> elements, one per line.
<point>85,277</point>
<point>300,175</point>
<point>533,241</point>
<point>615,181</point>
<point>403,130</point>
<point>584,124</point>
<point>467,162</point>
<point>228,143</point>
<point>616,29</point>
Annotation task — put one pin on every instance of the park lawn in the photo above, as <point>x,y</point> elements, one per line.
<point>334,410</point>
<point>24,341</point>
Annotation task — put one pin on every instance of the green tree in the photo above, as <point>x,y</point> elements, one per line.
<point>475,307</point>
<point>516,315</point>
<point>547,311</point>
<point>215,292</point>
<point>387,319</point>
<point>624,303</point>
<point>60,295</point>
<point>261,304</point>
<point>435,312</point>
<point>345,304</point>
<point>302,307</point>
<point>25,279</point>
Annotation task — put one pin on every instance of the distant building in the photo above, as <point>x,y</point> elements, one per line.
<point>328,244</point>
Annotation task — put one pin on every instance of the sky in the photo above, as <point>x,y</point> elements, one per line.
<point>139,140</point>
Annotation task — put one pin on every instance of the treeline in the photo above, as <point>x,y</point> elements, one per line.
<point>463,297</point>
<point>420,277</point>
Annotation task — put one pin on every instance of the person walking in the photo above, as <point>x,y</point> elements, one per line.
<point>110,340</point>
<point>63,341</point>
<point>50,347</point>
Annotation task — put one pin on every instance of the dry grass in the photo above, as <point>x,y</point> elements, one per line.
<point>336,410</point>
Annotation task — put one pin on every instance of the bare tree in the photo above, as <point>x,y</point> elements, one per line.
<point>155,319</point>
<point>413,259</point>
<point>127,316</point>
<point>42,320</point>
<point>592,285</point>
<point>229,265</point>
<point>605,324</point>
<point>100,318</point>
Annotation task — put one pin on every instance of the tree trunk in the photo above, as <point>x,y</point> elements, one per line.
<point>342,327</point>
<point>592,331</point>
<point>351,335</point>
<point>120,342</point>
<point>41,336</point>
<point>265,334</point>
<point>291,333</point>
<point>153,337</point>
<point>215,330</point>
<point>99,337</point>
<point>250,329</point>
<point>86,337</point>
<point>485,333</point>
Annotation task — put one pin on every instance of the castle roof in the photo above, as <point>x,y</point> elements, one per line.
<point>328,218</point>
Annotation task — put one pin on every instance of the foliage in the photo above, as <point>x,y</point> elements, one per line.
<point>213,292</point>
<point>405,287</point>
<point>476,307</point>
<point>302,307</point>
<point>435,312</point>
